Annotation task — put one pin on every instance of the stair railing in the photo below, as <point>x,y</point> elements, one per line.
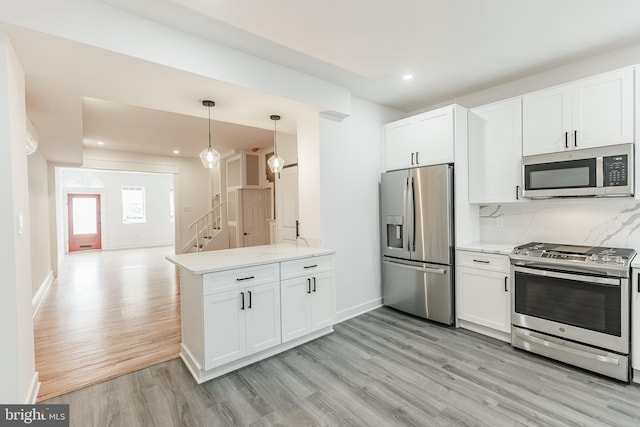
<point>207,226</point>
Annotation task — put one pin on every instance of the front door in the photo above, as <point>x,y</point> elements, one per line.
<point>85,232</point>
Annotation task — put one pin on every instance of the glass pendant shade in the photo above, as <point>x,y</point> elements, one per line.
<point>276,163</point>
<point>210,157</point>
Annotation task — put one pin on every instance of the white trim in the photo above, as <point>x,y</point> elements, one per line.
<point>358,310</point>
<point>636,376</point>
<point>41,292</point>
<point>34,389</point>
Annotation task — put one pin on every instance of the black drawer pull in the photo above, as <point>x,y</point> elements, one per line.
<point>314,284</point>
<point>482,261</point>
<point>249,299</point>
<point>311,266</point>
<point>245,278</point>
<point>308,286</point>
<point>242,293</point>
<point>506,283</point>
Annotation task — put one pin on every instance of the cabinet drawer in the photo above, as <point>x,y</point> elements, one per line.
<point>221,281</point>
<point>483,261</point>
<point>305,266</point>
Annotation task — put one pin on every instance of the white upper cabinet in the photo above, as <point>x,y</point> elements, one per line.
<point>425,139</point>
<point>593,112</point>
<point>495,152</point>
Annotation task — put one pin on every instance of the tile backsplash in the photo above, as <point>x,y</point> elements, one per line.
<point>597,222</point>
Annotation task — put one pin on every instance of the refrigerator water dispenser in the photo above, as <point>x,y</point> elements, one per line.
<point>394,231</point>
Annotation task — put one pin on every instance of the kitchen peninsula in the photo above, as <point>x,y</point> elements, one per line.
<point>241,305</point>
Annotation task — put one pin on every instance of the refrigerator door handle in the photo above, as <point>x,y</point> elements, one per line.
<point>412,267</point>
<point>405,231</point>
<point>412,213</point>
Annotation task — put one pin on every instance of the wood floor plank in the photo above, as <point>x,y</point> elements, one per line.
<point>383,368</point>
<point>107,314</point>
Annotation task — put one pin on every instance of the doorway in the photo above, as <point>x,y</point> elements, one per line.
<point>85,230</point>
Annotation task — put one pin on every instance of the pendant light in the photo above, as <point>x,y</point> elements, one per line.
<point>209,156</point>
<point>276,163</point>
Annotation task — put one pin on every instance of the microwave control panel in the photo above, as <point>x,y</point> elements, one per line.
<point>615,170</point>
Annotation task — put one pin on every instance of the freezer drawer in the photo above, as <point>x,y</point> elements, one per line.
<point>422,289</point>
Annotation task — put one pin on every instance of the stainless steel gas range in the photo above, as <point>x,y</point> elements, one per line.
<point>572,303</point>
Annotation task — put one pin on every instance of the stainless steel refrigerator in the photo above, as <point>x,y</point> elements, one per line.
<point>417,241</point>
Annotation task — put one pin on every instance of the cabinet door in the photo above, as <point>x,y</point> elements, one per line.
<point>495,152</point>
<point>262,316</point>
<point>434,137</point>
<point>635,320</point>
<point>603,109</point>
<point>399,142</point>
<point>224,328</point>
<point>295,307</point>
<point>484,298</point>
<point>546,121</point>
<point>322,301</point>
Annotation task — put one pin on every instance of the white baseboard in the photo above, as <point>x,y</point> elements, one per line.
<point>42,292</point>
<point>34,389</point>
<point>357,310</point>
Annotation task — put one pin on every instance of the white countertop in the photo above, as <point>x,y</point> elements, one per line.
<point>492,248</point>
<point>227,259</point>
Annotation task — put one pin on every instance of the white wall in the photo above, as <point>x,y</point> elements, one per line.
<point>157,230</point>
<point>192,182</point>
<point>19,380</point>
<point>41,270</point>
<point>351,163</point>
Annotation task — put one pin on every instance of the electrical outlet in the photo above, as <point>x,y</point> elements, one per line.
<point>499,221</point>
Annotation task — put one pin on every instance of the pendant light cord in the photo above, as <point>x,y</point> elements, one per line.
<point>209,109</point>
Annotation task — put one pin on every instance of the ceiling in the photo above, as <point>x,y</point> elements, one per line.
<point>451,47</point>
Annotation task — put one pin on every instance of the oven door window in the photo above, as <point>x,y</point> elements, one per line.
<point>592,306</point>
<point>569,174</point>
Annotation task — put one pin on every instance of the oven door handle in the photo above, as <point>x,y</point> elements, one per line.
<point>568,276</point>
<point>535,340</point>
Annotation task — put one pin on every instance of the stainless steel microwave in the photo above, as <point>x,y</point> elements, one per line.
<point>590,172</point>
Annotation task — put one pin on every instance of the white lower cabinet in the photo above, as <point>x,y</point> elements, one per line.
<point>235,317</point>
<point>483,285</point>
<point>240,323</point>
<point>308,302</point>
<point>307,305</point>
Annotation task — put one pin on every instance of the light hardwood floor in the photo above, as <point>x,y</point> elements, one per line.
<point>383,368</point>
<point>107,314</point>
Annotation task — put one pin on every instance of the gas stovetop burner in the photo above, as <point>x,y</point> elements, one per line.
<point>574,255</point>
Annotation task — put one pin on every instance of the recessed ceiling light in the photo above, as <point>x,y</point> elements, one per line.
<point>100,143</point>
<point>176,151</point>
<point>407,77</point>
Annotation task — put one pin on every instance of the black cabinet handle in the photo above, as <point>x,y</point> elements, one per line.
<point>249,299</point>
<point>506,283</point>
<point>638,282</point>
<point>412,158</point>
<point>245,278</point>
<point>575,138</point>
<point>482,261</point>
<point>242,293</point>
<point>517,192</point>
<point>308,286</point>
<point>314,284</point>
<point>310,266</point>
<point>417,160</point>
<point>566,140</point>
